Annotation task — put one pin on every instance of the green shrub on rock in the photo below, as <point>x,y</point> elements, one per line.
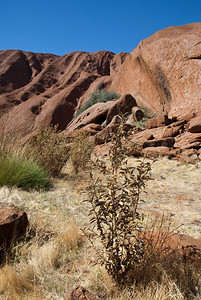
<point>100,96</point>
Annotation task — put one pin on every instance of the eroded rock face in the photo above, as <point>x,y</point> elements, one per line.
<point>13,225</point>
<point>95,114</point>
<point>37,90</point>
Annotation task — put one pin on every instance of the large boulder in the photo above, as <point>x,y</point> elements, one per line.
<point>95,114</point>
<point>13,224</point>
<point>158,121</point>
<point>123,105</point>
<point>188,140</point>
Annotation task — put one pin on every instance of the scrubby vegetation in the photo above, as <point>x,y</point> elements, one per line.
<point>49,148</point>
<point>80,153</point>
<point>54,256</point>
<point>100,96</point>
<point>114,212</point>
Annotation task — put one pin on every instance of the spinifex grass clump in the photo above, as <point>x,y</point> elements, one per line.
<point>114,198</point>
<point>49,147</point>
<point>19,171</point>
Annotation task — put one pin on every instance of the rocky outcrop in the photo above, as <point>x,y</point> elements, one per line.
<point>95,114</point>
<point>195,125</point>
<point>13,225</point>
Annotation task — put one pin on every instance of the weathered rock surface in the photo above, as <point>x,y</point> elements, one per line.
<point>105,134</point>
<point>165,142</point>
<point>195,125</point>
<point>13,225</point>
<point>123,105</point>
<point>90,129</point>
<point>95,114</point>
<point>163,72</point>
<point>80,293</point>
<point>158,121</point>
<point>160,151</point>
<point>137,114</point>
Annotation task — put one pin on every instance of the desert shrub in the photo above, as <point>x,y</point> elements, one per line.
<point>114,199</point>
<point>49,147</point>
<point>80,152</point>
<point>147,115</point>
<point>17,170</point>
<point>142,123</point>
<point>100,96</point>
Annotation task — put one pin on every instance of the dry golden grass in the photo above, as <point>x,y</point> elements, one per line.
<point>17,286</point>
<point>56,258</point>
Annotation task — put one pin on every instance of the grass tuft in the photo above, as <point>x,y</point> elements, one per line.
<point>18,171</point>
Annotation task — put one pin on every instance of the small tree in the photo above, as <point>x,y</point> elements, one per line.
<point>114,199</point>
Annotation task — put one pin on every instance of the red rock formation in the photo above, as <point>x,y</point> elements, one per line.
<point>163,74</point>
<point>123,105</point>
<point>37,90</point>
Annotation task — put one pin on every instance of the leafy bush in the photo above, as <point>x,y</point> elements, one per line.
<point>100,96</point>
<point>114,199</point>
<point>80,152</point>
<point>147,115</point>
<point>17,170</point>
<point>50,149</point>
<point>142,123</point>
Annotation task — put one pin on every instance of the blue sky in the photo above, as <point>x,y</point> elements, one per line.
<point>63,26</point>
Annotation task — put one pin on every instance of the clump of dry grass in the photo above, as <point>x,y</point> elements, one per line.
<point>17,286</point>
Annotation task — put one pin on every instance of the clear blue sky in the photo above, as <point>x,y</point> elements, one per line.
<point>63,26</point>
